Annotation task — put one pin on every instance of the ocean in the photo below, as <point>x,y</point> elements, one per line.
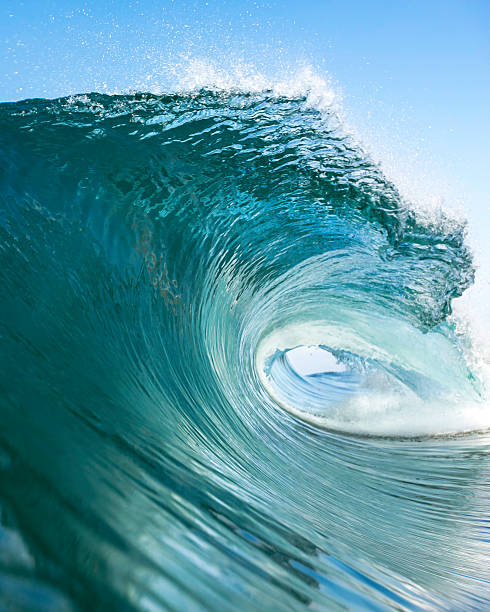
<point>231,373</point>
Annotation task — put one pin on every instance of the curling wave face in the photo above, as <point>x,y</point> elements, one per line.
<point>164,260</point>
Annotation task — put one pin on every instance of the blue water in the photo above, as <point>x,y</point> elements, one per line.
<point>164,261</point>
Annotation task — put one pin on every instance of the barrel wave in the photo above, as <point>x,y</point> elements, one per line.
<point>230,374</point>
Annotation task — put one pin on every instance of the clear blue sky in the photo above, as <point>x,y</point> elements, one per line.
<point>415,75</point>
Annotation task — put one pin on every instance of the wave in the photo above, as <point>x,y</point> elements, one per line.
<point>231,372</point>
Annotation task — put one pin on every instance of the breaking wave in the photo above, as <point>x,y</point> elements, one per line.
<point>230,376</point>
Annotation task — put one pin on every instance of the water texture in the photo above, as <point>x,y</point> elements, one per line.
<point>162,258</point>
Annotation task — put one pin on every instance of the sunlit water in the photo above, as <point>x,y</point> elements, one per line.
<point>230,375</point>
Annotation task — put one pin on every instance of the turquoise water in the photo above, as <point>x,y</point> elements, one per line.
<point>169,265</point>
